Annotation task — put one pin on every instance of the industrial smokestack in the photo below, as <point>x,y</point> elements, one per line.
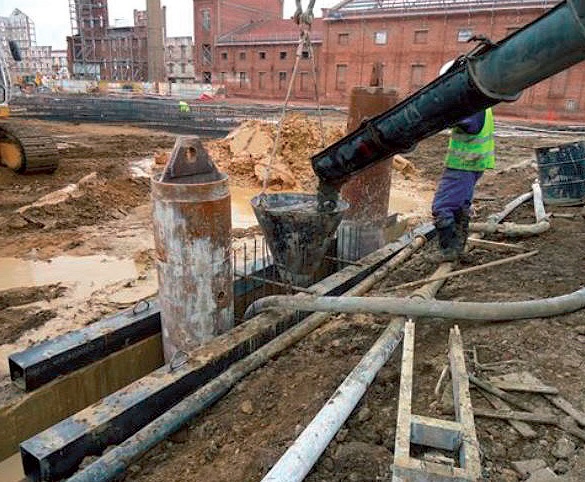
<point>156,65</point>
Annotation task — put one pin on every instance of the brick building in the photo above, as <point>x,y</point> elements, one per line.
<point>413,39</point>
<point>214,19</point>
<point>179,59</point>
<point>410,40</point>
<point>98,51</point>
<point>258,61</point>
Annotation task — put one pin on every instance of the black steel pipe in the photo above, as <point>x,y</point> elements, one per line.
<point>552,43</point>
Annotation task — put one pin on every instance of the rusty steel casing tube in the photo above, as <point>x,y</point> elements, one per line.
<point>192,233</point>
<point>497,73</point>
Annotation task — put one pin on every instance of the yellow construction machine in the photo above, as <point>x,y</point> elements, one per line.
<point>22,148</point>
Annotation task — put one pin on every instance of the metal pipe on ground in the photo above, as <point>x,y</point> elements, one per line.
<point>115,462</point>
<point>462,310</point>
<point>298,460</point>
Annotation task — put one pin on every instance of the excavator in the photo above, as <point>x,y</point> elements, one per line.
<point>22,149</point>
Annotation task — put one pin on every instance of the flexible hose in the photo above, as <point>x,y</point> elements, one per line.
<point>462,310</point>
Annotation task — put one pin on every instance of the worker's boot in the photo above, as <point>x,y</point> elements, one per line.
<point>449,246</point>
<point>462,227</point>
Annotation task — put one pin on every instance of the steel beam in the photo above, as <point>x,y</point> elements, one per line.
<point>32,368</point>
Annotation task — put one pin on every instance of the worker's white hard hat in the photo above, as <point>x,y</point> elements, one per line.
<point>446,66</point>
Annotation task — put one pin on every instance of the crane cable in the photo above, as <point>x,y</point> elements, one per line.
<point>305,21</point>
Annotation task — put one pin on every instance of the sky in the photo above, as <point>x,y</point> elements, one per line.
<point>53,24</point>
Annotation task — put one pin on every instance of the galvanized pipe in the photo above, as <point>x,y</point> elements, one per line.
<point>298,460</point>
<point>113,464</point>
<point>462,310</point>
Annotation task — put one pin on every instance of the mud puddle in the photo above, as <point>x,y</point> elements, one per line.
<point>83,274</point>
<point>242,213</point>
<point>11,469</point>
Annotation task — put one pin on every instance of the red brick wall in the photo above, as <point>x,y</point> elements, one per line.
<point>263,75</point>
<point>226,17</point>
<point>561,98</point>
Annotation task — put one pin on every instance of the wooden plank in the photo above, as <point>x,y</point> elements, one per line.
<point>531,417</point>
<point>436,433</point>
<point>495,246</point>
<point>523,428</point>
<point>460,272</point>
<point>469,458</point>
<point>558,401</point>
<point>510,386</point>
<point>35,411</point>
<point>403,422</point>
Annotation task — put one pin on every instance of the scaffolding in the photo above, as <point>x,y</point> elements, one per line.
<point>89,23</point>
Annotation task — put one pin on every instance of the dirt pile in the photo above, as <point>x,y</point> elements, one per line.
<point>91,200</point>
<point>247,151</point>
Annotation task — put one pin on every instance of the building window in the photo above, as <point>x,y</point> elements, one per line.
<point>262,55</point>
<point>183,68</point>
<point>341,77</point>
<point>242,55</point>
<point>417,76</point>
<point>571,105</point>
<point>343,39</point>
<point>261,80</point>
<point>381,38</point>
<point>171,67</point>
<point>223,77</point>
<point>206,19</point>
<point>224,56</point>
<point>305,54</point>
<point>304,82</point>
<point>464,34</point>
<point>206,54</point>
<point>243,80</point>
<point>421,36</point>
<point>183,51</point>
<point>207,77</point>
<point>281,80</point>
<point>558,85</point>
<point>283,55</point>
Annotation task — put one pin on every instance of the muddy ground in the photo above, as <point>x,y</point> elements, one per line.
<point>242,436</point>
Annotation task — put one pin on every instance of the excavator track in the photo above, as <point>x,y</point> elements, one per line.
<point>26,150</point>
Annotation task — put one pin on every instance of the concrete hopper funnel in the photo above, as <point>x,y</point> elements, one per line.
<point>298,233</point>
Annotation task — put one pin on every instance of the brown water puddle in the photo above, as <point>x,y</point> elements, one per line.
<point>11,469</point>
<point>84,274</point>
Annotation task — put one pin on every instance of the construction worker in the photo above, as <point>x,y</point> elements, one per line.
<point>470,153</point>
<point>183,106</point>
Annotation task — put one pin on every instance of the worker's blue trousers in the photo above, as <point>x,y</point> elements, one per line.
<point>454,193</point>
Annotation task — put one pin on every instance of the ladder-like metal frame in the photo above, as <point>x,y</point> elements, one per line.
<point>458,436</point>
